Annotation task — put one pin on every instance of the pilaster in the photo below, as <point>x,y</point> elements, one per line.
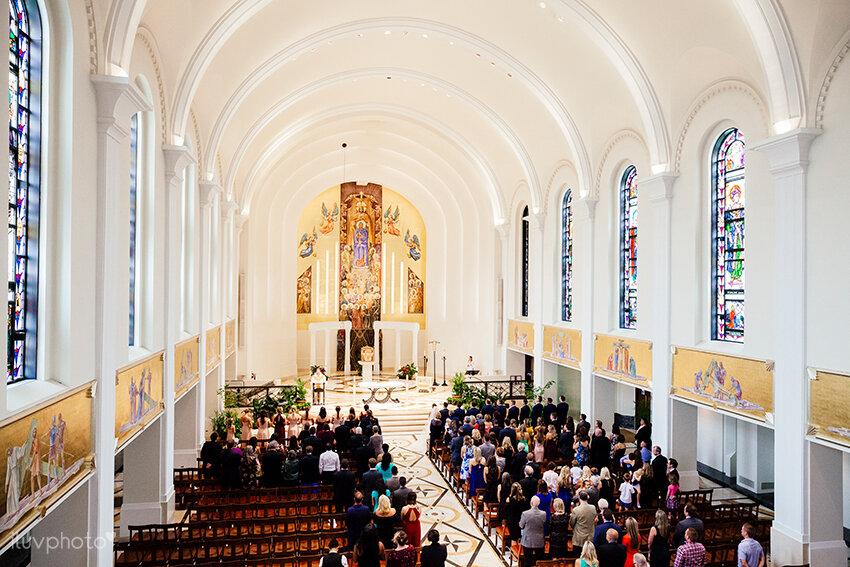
<point>537,225</point>
<point>117,100</point>
<point>659,189</point>
<point>791,536</point>
<point>585,214</point>
<point>207,193</point>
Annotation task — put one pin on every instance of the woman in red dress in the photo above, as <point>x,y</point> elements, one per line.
<point>410,520</point>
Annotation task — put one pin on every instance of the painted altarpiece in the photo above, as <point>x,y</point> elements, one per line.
<point>138,396</point>
<point>562,346</point>
<point>521,336</point>
<point>186,365</point>
<point>213,349</point>
<point>624,360</point>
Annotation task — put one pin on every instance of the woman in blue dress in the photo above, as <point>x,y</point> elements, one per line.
<point>546,498</point>
<point>468,453</point>
<point>476,471</point>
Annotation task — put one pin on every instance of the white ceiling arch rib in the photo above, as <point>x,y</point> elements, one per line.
<point>510,138</point>
<point>121,25</point>
<point>497,201</point>
<point>540,90</point>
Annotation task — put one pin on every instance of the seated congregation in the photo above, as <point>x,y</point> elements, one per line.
<point>329,495</point>
<point>552,491</point>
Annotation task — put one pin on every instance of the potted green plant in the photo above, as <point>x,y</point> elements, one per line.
<point>407,372</point>
<point>218,422</point>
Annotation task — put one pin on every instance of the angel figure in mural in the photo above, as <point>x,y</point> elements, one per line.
<point>413,246</point>
<point>390,221</point>
<point>328,218</point>
<point>306,244</point>
<point>133,399</point>
<point>13,489</point>
<point>52,466</point>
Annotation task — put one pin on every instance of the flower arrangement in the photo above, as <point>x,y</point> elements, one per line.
<point>407,372</point>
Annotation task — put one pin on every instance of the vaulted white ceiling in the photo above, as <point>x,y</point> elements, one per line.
<point>490,94</point>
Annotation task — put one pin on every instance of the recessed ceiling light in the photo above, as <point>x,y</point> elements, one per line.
<point>451,43</point>
<point>425,35</point>
<point>542,4</point>
<point>388,77</point>
<point>388,32</point>
<point>421,84</point>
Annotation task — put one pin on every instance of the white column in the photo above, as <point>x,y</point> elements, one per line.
<point>537,222</point>
<point>502,231</point>
<point>683,442</point>
<point>347,363</point>
<point>585,212</point>
<point>377,330</point>
<point>659,189</point>
<point>398,349</point>
<point>117,100</point>
<point>176,159</point>
<point>330,335</point>
<point>415,346</point>
<point>207,193</point>
<point>227,209</point>
<point>788,158</point>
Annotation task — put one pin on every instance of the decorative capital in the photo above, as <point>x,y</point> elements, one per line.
<point>658,187</point>
<point>118,100</point>
<point>176,160</point>
<point>503,229</point>
<point>228,208</point>
<point>586,207</point>
<point>239,219</point>
<point>537,220</point>
<point>208,192</point>
<point>788,153</point>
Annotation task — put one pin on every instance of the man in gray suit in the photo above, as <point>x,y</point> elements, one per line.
<point>533,524</point>
<point>583,521</point>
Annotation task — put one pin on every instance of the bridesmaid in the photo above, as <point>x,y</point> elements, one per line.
<point>410,520</point>
<point>246,423</point>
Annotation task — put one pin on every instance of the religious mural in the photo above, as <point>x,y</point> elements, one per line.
<point>229,337</point>
<point>304,290</point>
<point>213,349</point>
<point>328,218</point>
<point>562,346</point>
<point>521,336</point>
<point>415,293</point>
<point>47,451</point>
<point>738,385</point>
<point>413,246</point>
<point>625,360</point>
<point>186,364</point>
<point>138,396</point>
<point>391,221</point>
<point>360,255</point>
<point>830,407</point>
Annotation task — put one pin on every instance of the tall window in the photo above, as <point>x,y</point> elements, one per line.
<point>134,188</point>
<point>727,237</point>
<point>628,249</point>
<point>24,132</point>
<point>567,257</point>
<point>525,262</point>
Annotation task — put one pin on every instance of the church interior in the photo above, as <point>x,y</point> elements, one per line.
<point>297,208</point>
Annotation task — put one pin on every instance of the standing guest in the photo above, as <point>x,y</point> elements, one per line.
<point>673,467</point>
<point>293,422</point>
<point>566,441</point>
<point>491,481</point>
<point>564,487</point>
<point>600,449</point>
<point>519,462</point>
<point>559,526</point>
<point>343,483</point>
<point>210,453</point>
<point>328,464</point>
<point>376,441</point>
<point>611,553</point>
<point>645,453</point>
<point>502,494</point>
<point>434,554</point>
<point>517,504</point>
<point>606,485</point>
<point>487,447</point>
<point>507,455</point>
<point>394,482</point>
<point>342,437</point>
<point>631,539</point>
<point>528,484</point>
<point>581,447</point>
<point>325,435</point>
<point>264,427</point>
<point>750,553</point>
<point>691,521</point>
<point>691,553</point>
<point>672,501</point>
<point>582,423</point>
<point>361,454</point>
<point>643,433</point>
<point>640,560</point>
<point>280,423</point>
<point>582,520</point>
<point>588,556</point>
<point>551,477</point>
<point>369,550</point>
<point>410,514</point>
<point>537,410</point>
<point>627,491</point>
<point>548,411</point>
<point>309,467</point>
<point>385,467</point>
<point>291,469</point>
<point>659,473</point>
<point>404,554</point>
<point>230,431</point>
<point>272,465</point>
<point>369,480</point>
<point>250,468</point>
<point>230,460</point>
<point>245,422</point>
<point>380,490</point>
<point>563,410</point>
<point>356,518</point>
<point>604,528</point>
<point>476,471</point>
<point>513,412</point>
<point>545,497</point>
<point>659,547</point>
<point>618,451</point>
<point>385,520</point>
<point>333,558</point>
<point>435,430</point>
<point>400,494</point>
<point>524,411</point>
<point>533,540</point>
<point>456,447</point>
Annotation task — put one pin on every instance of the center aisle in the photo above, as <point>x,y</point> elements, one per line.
<point>467,546</point>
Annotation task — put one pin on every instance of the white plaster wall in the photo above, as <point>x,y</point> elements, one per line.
<point>710,438</point>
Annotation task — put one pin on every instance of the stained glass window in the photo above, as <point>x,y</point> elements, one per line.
<point>24,116</point>
<point>727,237</point>
<point>567,257</point>
<point>134,181</point>
<point>628,249</point>
<point>525,262</point>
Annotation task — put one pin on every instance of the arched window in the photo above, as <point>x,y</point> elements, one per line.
<point>134,232</point>
<point>525,262</point>
<point>567,257</point>
<point>628,249</point>
<point>727,237</point>
<point>24,164</point>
